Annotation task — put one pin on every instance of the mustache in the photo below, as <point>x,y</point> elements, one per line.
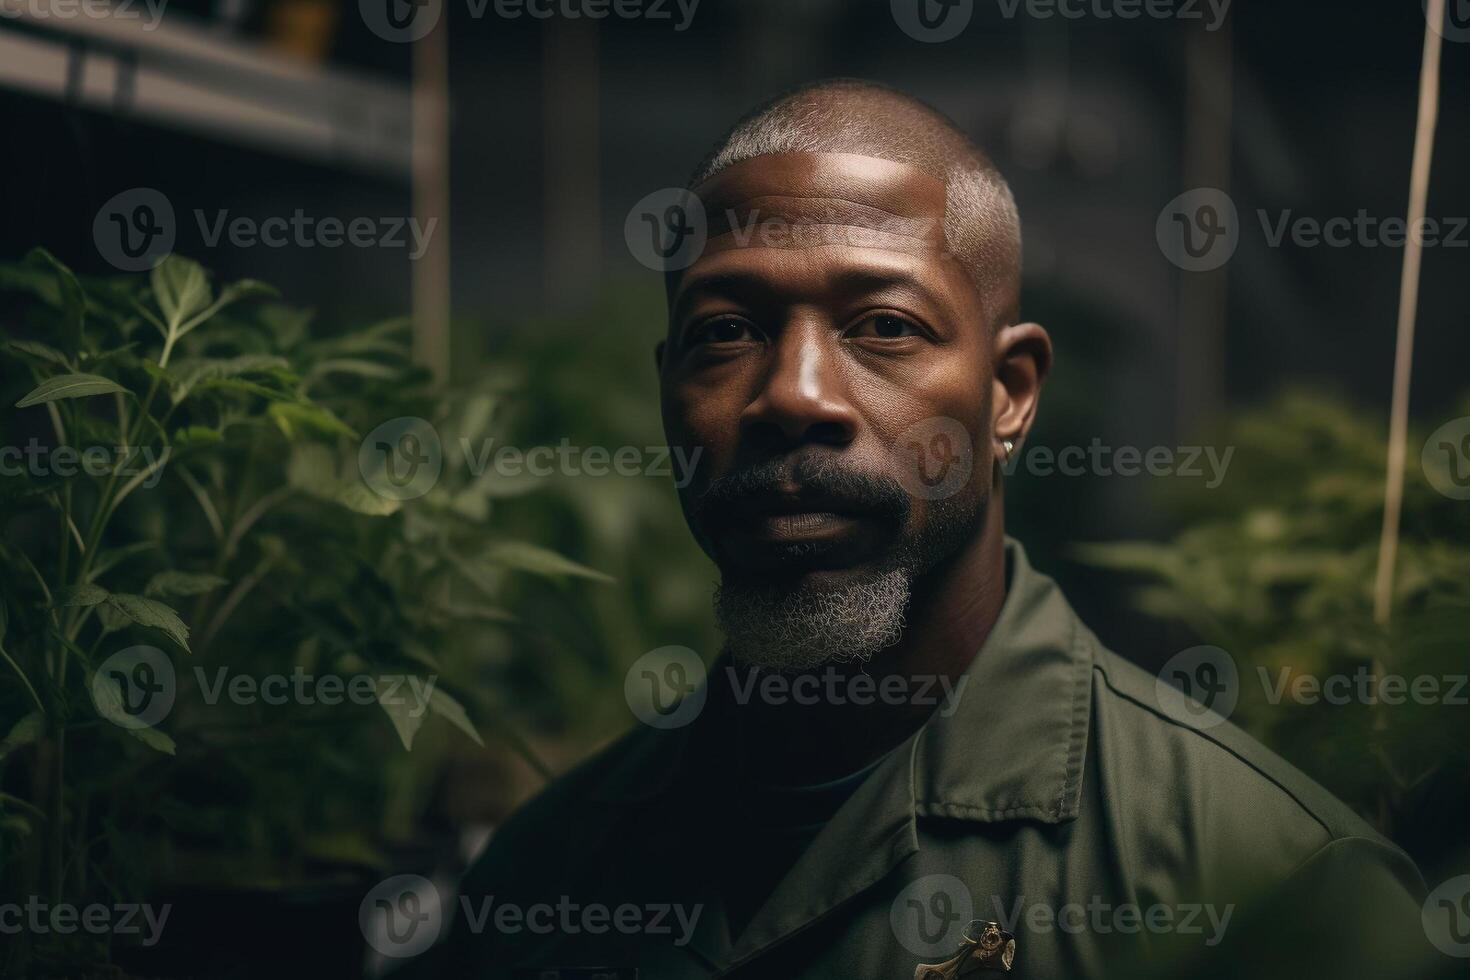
<point>834,483</point>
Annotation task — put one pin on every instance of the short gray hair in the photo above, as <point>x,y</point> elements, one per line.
<point>981,226</point>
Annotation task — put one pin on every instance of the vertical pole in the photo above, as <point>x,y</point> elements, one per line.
<point>1203,295</point>
<point>430,156</point>
<point>571,205</point>
<point>1403,357</point>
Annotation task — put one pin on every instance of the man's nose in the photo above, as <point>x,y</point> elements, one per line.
<point>803,397</point>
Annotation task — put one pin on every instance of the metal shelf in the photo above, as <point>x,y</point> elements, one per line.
<point>189,77</point>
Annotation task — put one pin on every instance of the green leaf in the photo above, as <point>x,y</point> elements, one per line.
<point>37,349</point>
<point>112,556</point>
<point>69,386</point>
<point>181,289</point>
<point>153,614</point>
<point>407,716</point>
<point>232,293</point>
<point>109,703</point>
<point>526,557</point>
<point>86,594</point>
<point>196,437</point>
<point>244,289</point>
<point>154,739</point>
<point>357,366</point>
<point>184,375</point>
<point>176,583</point>
<point>295,419</point>
<point>359,498</point>
<point>26,731</point>
<point>446,707</point>
<point>73,300</point>
<point>312,469</point>
<point>112,618</point>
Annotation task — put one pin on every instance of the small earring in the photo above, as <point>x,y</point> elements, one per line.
<point>1008,446</point>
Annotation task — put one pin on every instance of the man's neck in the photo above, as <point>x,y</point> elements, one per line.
<point>810,740</point>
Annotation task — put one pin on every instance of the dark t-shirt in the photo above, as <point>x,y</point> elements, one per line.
<point>771,827</point>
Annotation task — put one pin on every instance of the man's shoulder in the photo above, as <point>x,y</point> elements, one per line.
<point>1204,767</point>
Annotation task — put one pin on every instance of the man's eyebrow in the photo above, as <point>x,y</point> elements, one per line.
<point>864,281</point>
<point>753,287</point>
<point>728,282</point>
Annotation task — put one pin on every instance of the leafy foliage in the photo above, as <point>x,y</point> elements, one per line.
<point>1277,566</point>
<point>222,519</point>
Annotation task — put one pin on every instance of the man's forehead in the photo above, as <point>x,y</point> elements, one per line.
<point>796,200</point>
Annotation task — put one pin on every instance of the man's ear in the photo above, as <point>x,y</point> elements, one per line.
<point>1022,360</point>
<point>658,355</point>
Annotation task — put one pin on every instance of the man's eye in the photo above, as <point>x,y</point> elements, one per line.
<point>724,330</point>
<point>885,326</point>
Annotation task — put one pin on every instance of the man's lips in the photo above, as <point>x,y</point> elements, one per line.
<point>788,518</point>
<point>802,525</point>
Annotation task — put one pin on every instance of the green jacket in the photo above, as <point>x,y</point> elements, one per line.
<point>1055,798</point>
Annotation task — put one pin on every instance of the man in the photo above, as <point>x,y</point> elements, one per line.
<point>912,759</point>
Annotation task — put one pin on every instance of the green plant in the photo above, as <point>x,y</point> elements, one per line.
<point>225,521</point>
<point>1276,566</point>
<point>595,384</point>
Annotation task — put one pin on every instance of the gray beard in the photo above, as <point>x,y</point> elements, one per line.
<point>798,629</point>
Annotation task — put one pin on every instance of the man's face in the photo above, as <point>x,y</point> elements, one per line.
<point>831,359</point>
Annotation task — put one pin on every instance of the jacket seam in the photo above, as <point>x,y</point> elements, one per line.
<point>1151,709</point>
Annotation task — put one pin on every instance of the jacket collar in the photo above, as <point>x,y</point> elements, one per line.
<point>1014,744</point>
<point>1011,748</point>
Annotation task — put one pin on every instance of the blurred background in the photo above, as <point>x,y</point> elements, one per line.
<point>497,157</point>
